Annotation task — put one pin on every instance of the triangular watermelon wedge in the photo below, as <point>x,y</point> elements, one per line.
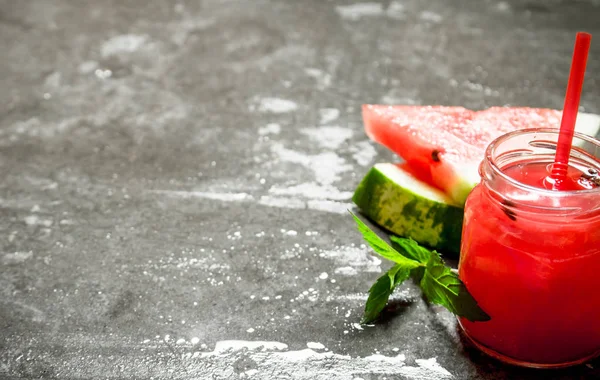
<point>443,146</point>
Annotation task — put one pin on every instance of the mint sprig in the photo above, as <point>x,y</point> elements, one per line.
<point>382,248</point>
<point>381,291</point>
<point>439,283</point>
<point>410,248</point>
<point>443,287</point>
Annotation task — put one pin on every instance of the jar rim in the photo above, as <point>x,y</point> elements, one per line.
<point>490,158</point>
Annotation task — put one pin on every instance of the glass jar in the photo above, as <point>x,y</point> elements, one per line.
<point>531,256</point>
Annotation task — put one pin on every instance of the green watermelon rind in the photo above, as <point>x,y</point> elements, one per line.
<point>407,207</point>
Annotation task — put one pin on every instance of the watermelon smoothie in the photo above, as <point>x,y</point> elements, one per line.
<point>530,255</point>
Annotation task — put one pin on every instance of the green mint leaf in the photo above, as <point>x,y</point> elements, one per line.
<point>443,287</point>
<point>417,274</point>
<point>411,249</point>
<point>439,283</point>
<point>381,290</point>
<point>382,248</point>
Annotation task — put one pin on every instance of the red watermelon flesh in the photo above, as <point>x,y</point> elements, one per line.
<point>443,146</point>
<point>419,171</point>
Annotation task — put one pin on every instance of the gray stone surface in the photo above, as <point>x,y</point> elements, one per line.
<point>174,175</point>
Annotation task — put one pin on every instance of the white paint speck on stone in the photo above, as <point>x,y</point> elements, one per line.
<point>355,257</point>
<point>329,137</point>
<point>250,330</point>
<point>327,167</point>
<point>277,105</point>
<point>34,220</point>
<point>327,115</point>
<point>323,276</point>
<point>322,78</point>
<point>363,153</point>
<point>103,74</point>
<point>503,6</point>
<point>329,206</point>
<point>359,10</point>
<point>224,197</point>
<point>431,17</point>
<point>88,67</point>
<point>315,346</point>
<point>282,202</point>
<point>126,43</point>
<point>433,366</point>
<point>270,129</point>
<point>345,271</point>
<point>16,257</point>
<point>229,346</point>
<point>312,190</point>
<point>396,10</point>
<point>273,360</point>
<point>357,326</point>
<point>355,297</point>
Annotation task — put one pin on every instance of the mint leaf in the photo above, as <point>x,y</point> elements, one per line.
<point>443,287</point>
<point>417,274</point>
<point>382,248</point>
<point>381,290</point>
<point>438,282</point>
<point>411,249</point>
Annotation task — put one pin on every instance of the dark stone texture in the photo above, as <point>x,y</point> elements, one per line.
<point>141,189</point>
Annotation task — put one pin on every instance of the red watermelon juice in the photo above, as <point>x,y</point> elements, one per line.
<point>530,255</point>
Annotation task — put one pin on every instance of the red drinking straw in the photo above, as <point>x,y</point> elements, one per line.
<point>571,106</point>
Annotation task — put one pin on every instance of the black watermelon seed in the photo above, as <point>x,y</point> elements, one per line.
<point>435,155</point>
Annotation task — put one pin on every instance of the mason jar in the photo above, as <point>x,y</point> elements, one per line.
<point>530,255</point>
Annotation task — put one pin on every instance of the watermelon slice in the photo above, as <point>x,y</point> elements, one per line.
<point>444,146</point>
<point>392,197</point>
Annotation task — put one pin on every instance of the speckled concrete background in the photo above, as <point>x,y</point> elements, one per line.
<point>175,175</point>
